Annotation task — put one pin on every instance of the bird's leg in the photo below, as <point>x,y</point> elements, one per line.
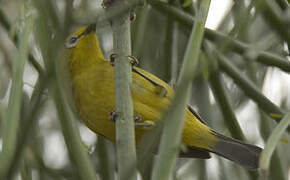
<point>113,115</point>
<point>138,118</point>
<point>133,60</point>
<point>112,59</point>
<point>133,14</point>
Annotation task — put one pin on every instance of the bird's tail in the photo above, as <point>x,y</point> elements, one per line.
<point>244,154</point>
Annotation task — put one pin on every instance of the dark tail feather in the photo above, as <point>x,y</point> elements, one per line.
<point>193,152</point>
<point>244,154</point>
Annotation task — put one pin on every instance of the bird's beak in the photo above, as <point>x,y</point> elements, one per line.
<point>90,28</point>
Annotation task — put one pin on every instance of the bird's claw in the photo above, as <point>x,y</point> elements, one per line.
<point>138,123</point>
<point>144,124</point>
<point>132,15</point>
<point>133,60</point>
<point>112,59</point>
<point>137,119</point>
<point>113,115</point>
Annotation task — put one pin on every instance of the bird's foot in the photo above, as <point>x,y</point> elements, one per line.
<point>132,15</point>
<point>133,60</point>
<point>113,115</point>
<point>112,59</point>
<point>138,118</point>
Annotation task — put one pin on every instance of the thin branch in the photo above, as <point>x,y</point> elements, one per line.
<point>171,135</point>
<point>11,123</point>
<point>72,138</point>
<point>267,58</point>
<point>222,98</point>
<point>171,50</point>
<point>249,88</point>
<point>272,143</point>
<point>50,49</point>
<point>5,23</point>
<point>107,169</point>
<point>125,128</point>
<point>35,101</point>
<point>276,167</point>
<point>278,22</point>
<point>30,118</point>
<point>140,32</point>
<point>110,14</point>
<point>176,13</point>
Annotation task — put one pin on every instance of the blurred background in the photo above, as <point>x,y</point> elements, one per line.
<point>251,40</point>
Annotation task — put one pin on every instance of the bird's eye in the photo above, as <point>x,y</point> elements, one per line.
<point>71,42</point>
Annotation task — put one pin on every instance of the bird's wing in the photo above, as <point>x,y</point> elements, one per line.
<point>161,87</point>
<point>196,114</point>
<point>150,91</point>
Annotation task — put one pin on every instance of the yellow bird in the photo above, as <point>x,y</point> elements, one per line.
<point>92,79</point>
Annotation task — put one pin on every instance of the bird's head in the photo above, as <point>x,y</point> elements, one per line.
<point>82,37</point>
<point>83,48</point>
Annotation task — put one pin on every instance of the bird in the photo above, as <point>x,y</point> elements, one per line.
<point>92,83</point>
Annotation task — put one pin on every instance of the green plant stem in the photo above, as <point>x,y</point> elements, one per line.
<point>167,53</point>
<point>53,58</point>
<point>249,88</point>
<point>171,135</point>
<point>174,12</point>
<point>30,118</point>
<point>224,103</point>
<point>72,137</point>
<point>272,143</point>
<point>11,122</point>
<point>125,128</point>
<point>35,102</point>
<point>102,18</point>
<point>276,167</point>
<point>171,49</point>
<point>273,15</point>
<point>222,98</point>
<point>140,30</point>
<point>107,168</point>
<point>5,23</point>
<point>174,54</point>
<point>266,58</point>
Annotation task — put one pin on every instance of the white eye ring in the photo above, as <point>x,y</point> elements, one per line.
<point>71,42</point>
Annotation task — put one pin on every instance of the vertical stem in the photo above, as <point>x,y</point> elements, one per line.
<point>249,88</point>
<point>276,167</point>
<point>225,105</point>
<point>125,130</point>
<point>107,168</point>
<point>11,123</point>
<point>171,51</point>
<point>51,50</point>
<point>72,137</point>
<point>139,35</point>
<point>271,144</point>
<point>171,136</point>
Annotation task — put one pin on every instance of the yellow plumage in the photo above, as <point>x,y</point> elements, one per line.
<point>92,79</point>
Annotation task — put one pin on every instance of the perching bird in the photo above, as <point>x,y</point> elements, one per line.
<point>92,79</point>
